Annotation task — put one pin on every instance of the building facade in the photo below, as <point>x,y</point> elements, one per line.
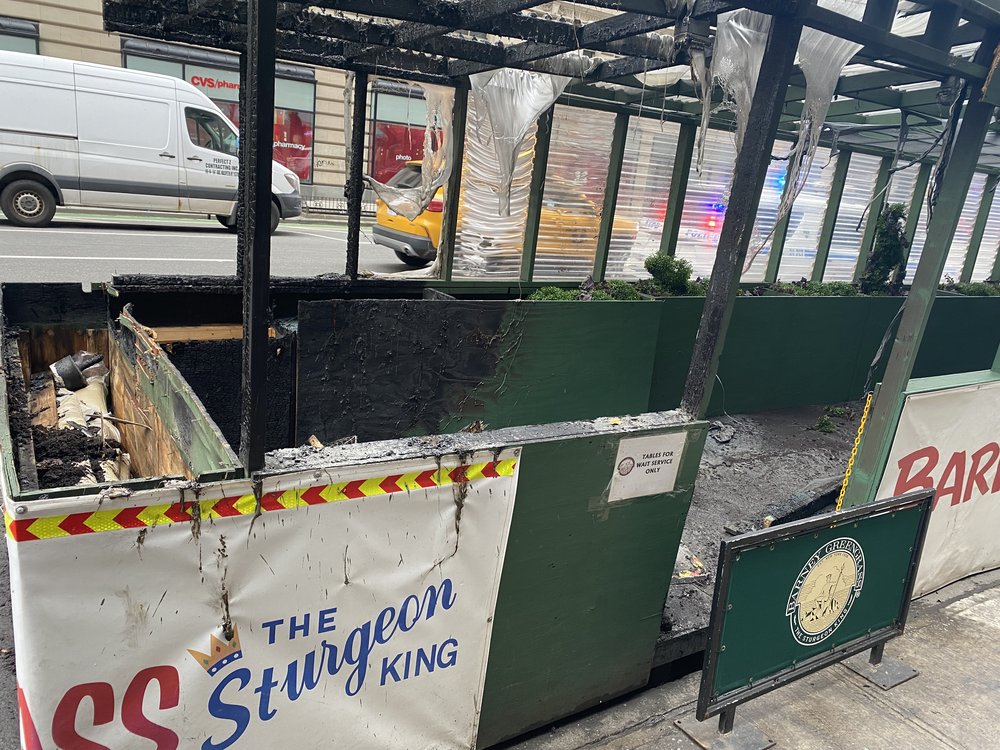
<point>309,101</point>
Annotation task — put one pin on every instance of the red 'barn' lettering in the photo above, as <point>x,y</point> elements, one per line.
<point>917,471</point>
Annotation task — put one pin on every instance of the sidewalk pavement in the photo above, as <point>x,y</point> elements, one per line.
<point>952,639</point>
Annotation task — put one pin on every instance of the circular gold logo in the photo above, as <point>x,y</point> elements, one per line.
<point>825,590</point>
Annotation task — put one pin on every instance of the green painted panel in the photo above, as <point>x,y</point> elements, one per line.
<point>780,351</point>
<point>785,351</point>
<point>962,335</point>
<point>380,369</point>
<point>583,586</point>
<point>568,360</point>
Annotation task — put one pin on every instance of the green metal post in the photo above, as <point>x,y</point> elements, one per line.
<point>542,137</point>
<point>832,209</point>
<point>874,211</point>
<point>610,195</point>
<point>678,188</point>
<point>917,202</point>
<point>449,229</point>
<point>750,172</point>
<point>917,308</point>
<point>985,204</point>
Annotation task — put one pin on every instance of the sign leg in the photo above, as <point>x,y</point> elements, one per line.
<point>726,719</point>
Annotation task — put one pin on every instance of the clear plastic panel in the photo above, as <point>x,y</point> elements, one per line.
<point>963,232</point>
<point>991,241</point>
<point>573,197</point>
<point>487,245</point>
<point>901,185</point>
<point>767,215</point>
<point>805,222</point>
<point>917,245</point>
<point>643,195</point>
<point>845,246</point>
<point>705,203</point>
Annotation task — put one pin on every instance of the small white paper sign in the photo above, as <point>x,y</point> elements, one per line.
<point>646,466</point>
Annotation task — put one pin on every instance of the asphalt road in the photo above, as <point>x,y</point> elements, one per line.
<point>95,246</point>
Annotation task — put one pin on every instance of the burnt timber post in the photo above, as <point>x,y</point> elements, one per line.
<point>353,190</point>
<point>955,184</point>
<point>255,231</point>
<point>737,228</point>
<point>453,195</point>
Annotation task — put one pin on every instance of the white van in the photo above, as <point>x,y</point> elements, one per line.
<point>74,134</point>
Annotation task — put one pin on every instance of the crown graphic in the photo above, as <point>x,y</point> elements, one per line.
<point>221,653</point>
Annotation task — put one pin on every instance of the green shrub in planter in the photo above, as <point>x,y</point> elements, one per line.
<point>672,273</point>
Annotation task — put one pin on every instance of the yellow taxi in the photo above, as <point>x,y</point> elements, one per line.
<point>414,242</point>
<point>569,222</point>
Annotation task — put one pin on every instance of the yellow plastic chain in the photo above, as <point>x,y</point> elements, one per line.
<point>854,452</point>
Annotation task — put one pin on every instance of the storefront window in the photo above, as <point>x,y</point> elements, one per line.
<point>17,35</point>
<point>399,116</point>
<point>293,105</point>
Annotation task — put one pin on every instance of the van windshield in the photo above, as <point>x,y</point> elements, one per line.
<point>210,131</point>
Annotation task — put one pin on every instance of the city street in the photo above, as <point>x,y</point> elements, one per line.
<point>94,246</point>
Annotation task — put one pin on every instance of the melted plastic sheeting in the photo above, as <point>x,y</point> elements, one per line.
<point>821,57</point>
<point>740,39</point>
<point>643,196</point>
<point>436,166</point>
<point>488,246</point>
<point>573,197</point>
<point>509,103</point>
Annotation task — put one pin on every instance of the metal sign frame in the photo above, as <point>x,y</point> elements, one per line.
<point>730,548</point>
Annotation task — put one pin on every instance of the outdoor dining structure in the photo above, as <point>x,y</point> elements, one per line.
<point>422,510</point>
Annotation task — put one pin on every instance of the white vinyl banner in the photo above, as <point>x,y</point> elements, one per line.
<point>949,440</point>
<point>345,608</point>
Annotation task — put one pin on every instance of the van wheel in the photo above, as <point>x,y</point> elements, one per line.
<point>275,218</point>
<point>224,220</point>
<point>27,203</point>
<point>411,260</point>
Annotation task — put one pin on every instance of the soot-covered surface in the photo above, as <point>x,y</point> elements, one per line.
<point>424,380</point>
<point>771,463</point>
<point>64,456</point>
<point>213,369</point>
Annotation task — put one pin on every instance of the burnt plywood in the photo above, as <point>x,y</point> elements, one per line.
<point>213,370</point>
<point>382,369</point>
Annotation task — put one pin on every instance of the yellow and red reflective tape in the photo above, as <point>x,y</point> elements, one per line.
<point>146,516</point>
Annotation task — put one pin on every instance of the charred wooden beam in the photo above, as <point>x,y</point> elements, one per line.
<point>256,227</point>
<point>752,162</point>
<point>887,46</point>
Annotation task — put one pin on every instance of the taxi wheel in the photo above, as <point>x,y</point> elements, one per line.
<point>411,260</point>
